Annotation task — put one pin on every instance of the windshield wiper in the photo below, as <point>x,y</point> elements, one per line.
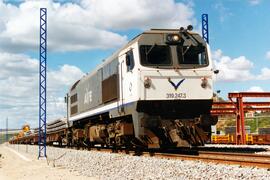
<point>187,49</point>
<point>154,45</point>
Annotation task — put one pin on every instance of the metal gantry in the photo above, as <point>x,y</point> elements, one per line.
<point>42,83</point>
<point>238,107</point>
<point>240,115</point>
<point>205,33</point>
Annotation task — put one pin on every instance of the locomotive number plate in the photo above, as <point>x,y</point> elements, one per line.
<point>176,95</point>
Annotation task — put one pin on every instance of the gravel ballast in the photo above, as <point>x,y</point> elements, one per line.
<point>121,166</point>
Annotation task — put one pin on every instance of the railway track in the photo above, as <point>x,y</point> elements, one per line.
<point>242,159</point>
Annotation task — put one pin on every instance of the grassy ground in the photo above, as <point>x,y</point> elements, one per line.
<point>254,123</point>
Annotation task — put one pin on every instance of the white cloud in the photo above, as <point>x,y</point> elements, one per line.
<point>232,69</point>
<point>69,28</point>
<point>118,14</point>
<point>265,74</point>
<point>255,89</point>
<point>267,55</point>
<point>236,69</point>
<point>64,76</point>
<point>254,2</point>
<point>88,24</point>
<point>19,89</point>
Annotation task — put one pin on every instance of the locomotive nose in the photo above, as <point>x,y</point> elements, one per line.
<point>165,85</point>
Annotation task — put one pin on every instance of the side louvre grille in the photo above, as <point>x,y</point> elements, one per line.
<point>73,99</point>
<point>110,88</point>
<point>74,109</point>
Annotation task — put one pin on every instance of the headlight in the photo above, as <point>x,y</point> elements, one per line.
<point>173,38</point>
<point>204,82</point>
<point>147,82</point>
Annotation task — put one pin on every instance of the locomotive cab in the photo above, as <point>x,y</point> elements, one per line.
<point>171,81</point>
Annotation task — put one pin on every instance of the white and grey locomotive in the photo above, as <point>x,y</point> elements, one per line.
<point>155,92</point>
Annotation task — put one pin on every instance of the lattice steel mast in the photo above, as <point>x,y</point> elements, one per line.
<point>205,33</point>
<point>42,83</point>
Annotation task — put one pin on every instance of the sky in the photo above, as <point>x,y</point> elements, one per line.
<point>81,33</point>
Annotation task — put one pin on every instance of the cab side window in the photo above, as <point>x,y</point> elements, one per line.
<point>129,60</point>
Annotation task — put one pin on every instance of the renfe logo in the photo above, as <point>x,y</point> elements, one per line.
<point>175,85</point>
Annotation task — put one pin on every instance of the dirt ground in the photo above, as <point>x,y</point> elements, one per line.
<point>17,166</point>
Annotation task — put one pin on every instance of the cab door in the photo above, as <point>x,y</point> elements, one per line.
<point>127,78</point>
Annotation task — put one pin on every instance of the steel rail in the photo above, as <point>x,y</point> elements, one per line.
<point>242,159</point>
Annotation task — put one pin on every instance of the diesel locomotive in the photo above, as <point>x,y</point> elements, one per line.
<point>155,92</point>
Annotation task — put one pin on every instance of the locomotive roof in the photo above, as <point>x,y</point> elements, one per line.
<point>151,31</point>
<point>115,54</point>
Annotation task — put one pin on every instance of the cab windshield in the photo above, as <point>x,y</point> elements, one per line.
<point>193,55</point>
<point>155,55</point>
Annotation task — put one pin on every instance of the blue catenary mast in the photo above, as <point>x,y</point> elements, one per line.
<point>205,33</point>
<point>42,83</point>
